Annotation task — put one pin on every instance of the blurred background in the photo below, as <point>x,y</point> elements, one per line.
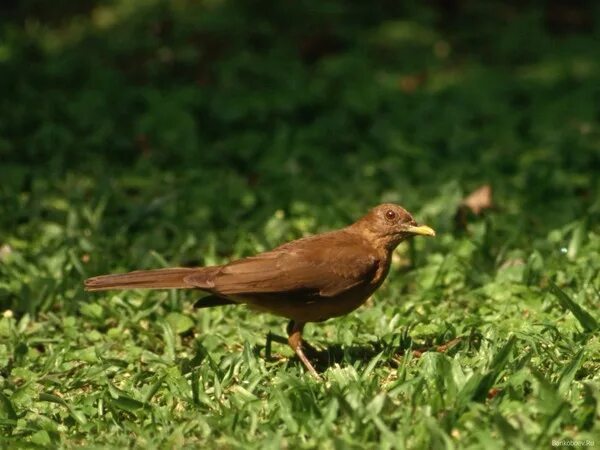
<point>205,130</point>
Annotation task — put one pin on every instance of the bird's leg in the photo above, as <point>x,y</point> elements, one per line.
<point>294,330</point>
<point>270,339</point>
<point>308,349</point>
<point>268,346</point>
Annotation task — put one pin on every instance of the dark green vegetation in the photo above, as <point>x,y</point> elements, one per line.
<point>141,134</point>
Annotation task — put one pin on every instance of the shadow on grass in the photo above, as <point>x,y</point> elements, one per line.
<point>338,354</point>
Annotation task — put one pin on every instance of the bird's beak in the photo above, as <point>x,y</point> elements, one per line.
<point>421,230</point>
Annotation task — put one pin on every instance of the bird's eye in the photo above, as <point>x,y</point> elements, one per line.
<point>390,215</point>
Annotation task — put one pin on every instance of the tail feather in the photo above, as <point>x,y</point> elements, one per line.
<point>173,278</point>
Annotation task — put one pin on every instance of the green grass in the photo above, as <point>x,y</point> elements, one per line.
<point>145,134</point>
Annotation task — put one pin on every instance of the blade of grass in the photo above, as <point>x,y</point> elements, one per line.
<point>587,321</point>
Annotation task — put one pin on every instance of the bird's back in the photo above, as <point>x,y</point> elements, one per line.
<point>311,279</point>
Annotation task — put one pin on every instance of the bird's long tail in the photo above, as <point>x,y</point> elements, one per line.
<point>174,278</point>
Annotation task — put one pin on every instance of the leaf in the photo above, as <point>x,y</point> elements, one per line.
<point>475,203</point>
<point>507,431</point>
<point>501,358</point>
<point>154,389</point>
<point>478,385</point>
<point>552,422</point>
<point>127,403</point>
<point>180,323</point>
<point>568,373</point>
<point>438,437</point>
<point>548,397</point>
<point>77,415</point>
<point>479,200</point>
<point>45,397</point>
<point>586,320</point>
<point>576,240</point>
<point>195,382</point>
<point>92,310</point>
<point>244,394</point>
<point>41,438</point>
<point>122,400</point>
<point>7,408</point>
<point>369,369</point>
<point>375,406</point>
<point>169,339</point>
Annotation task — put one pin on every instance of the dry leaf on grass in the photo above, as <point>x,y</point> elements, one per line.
<point>476,202</point>
<point>479,200</point>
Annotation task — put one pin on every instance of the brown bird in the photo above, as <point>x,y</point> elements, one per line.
<point>307,280</point>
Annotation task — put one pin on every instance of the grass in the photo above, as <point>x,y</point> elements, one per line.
<point>147,134</point>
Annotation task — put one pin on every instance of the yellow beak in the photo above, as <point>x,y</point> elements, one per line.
<point>422,230</point>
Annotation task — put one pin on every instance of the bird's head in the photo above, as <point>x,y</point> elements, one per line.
<point>389,224</point>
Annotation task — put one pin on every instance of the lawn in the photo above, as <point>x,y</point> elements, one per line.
<point>146,134</point>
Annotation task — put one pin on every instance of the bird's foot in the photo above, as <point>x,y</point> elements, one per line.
<point>306,351</point>
<point>298,345</point>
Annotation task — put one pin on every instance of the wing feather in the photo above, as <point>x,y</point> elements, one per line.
<point>324,265</point>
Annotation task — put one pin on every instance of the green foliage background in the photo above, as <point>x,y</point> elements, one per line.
<point>138,134</point>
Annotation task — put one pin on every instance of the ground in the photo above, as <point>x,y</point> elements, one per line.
<point>148,134</point>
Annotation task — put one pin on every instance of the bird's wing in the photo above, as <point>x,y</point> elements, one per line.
<point>322,265</point>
